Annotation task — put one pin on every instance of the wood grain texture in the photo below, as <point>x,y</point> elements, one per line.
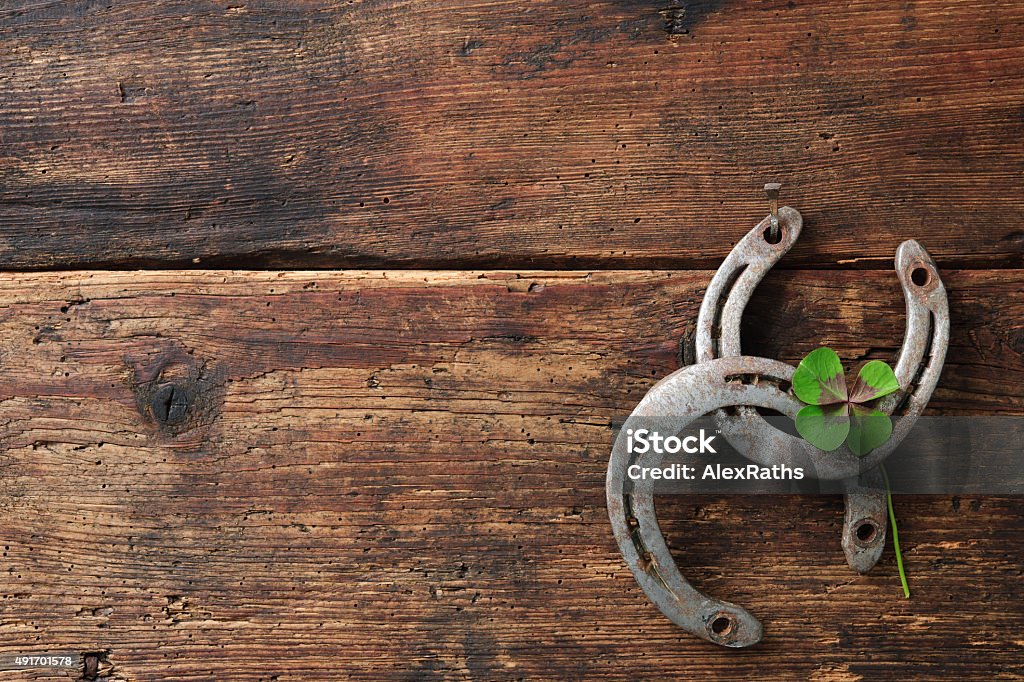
<point>400,475</point>
<point>550,133</point>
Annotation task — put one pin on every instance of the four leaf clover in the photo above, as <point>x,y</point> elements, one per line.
<point>833,414</point>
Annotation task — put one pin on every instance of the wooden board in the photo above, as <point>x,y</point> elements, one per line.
<point>226,475</point>
<point>400,475</point>
<point>550,133</point>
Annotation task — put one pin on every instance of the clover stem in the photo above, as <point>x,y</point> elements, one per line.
<point>895,534</point>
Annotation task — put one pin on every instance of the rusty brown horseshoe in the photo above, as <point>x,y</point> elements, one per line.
<point>927,329</point>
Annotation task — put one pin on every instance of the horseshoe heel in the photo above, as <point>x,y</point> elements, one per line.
<point>718,334</point>
<point>685,395</point>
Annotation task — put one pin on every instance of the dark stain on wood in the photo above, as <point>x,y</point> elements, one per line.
<point>174,390</point>
<point>681,16</point>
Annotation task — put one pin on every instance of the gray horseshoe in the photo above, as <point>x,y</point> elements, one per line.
<point>718,334</point>
<point>685,395</point>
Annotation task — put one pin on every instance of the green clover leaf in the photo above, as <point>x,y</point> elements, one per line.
<point>819,380</point>
<point>874,380</point>
<point>869,428</point>
<point>826,427</point>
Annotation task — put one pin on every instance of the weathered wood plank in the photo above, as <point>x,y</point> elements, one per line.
<point>634,133</point>
<point>400,475</point>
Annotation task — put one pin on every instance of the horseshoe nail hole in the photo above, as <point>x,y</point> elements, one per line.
<point>768,235</point>
<point>721,626</point>
<point>866,532</point>
<point>920,276</point>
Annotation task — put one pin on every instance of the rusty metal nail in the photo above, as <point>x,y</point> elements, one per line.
<point>772,190</point>
<point>169,404</point>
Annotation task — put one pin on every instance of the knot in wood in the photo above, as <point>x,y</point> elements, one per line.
<point>170,403</point>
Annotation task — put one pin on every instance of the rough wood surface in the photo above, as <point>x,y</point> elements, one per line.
<point>549,133</point>
<point>400,475</point>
